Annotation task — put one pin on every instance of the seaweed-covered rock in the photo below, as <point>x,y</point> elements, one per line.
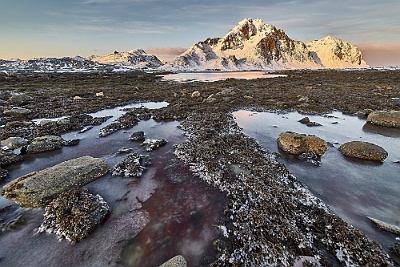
<point>130,166</point>
<point>137,136</point>
<point>363,150</point>
<point>73,215</point>
<point>295,143</point>
<point>385,118</point>
<point>14,142</point>
<point>152,144</point>
<point>177,261</point>
<point>7,158</point>
<point>45,143</point>
<point>35,189</point>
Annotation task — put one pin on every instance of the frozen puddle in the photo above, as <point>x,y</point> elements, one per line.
<point>354,189</point>
<point>164,213</point>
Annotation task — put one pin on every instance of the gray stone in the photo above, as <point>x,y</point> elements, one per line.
<point>130,166</point>
<point>137,136</point>
<point>363,150</point>
<point>394,229</point>
<point>295,143</point>
<point>385,118</point>
<point>45,143</point>
<point>73,215</point>
<point>14,142</point>
<point>152,144</point>
<point>17,111</point>
<point>177,261</point>
<point>36,189</point>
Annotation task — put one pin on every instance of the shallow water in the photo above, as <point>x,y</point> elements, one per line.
<point>354,189</point>
<point>217,76</point>
<point>172,210</point>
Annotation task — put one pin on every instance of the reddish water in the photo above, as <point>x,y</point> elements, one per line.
<point>172,210</point>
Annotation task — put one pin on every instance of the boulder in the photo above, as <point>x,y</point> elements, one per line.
<point>295,143</point>
<point>17,112</point>
<point>137,136</point>
<point>14,142</point>
<point>130,166</point>
<point>45,143</point>
<point>177,261</point>
<point>7,158</point>
<point>73,215</point>
<point>196,94</point>
<point>385,226</point>
<point>36,189</point>
<point>385,118</point>
<point>363,150</point>
<point>152,144</point>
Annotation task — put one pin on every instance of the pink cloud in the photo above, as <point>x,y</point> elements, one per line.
<point>166,53</point>
<point>381,55</point>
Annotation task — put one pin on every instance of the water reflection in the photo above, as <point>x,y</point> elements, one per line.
<point>217,76</point>
<point>352,188</point>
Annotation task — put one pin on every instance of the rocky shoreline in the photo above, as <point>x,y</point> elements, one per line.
<point>271,219</point>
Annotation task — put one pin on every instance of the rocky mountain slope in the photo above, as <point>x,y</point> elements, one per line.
<point>252,44</point>
<point>137,59</point>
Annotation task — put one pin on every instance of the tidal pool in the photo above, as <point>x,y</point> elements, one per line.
<point>353,189</point>
<point>217,76</point>
<point>164,213</point>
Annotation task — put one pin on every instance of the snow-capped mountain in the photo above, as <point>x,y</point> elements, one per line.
<point>65,64</point>
<point>252,44</point>
<point>137,59</point>
<point>334,53</point>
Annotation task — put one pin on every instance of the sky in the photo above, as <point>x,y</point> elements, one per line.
<point>57,28</point>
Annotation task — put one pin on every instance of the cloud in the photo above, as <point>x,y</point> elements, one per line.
<point>381,55</point>
<point>166,53</point>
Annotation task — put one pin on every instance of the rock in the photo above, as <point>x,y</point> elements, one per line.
<point>85,129</point>
<point>177,261</point>
<point>109,129</point>
<point>130,166</point>
<point>124,150</point>
<point>3,173</point>
<point>35,189</point>
<point>305,120</point>
<point>195,94</point>
<point>395,249</point>
<point>313,124</point>
<point>44,143</point>
<point>19,99</point>
<point>295,143</point>
<point>385,118</point>
<point>7,158</point>
<point>73,215</point>
<point>152,144</point>
<point>14,142</point>
<point>100,94</point>
<point>394,229</point>
<point>72,142</point>
<point>77,97</point>
<point>137,136</point>
<point>363,150</point>
<point>17,111</point>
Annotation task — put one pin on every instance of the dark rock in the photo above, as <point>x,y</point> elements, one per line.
<point>7,158</point>
<point>363,150</point>
<point>395,249</point>
<point>177,261</point>
<point>137,136</point>
<point>35,189</point>
<point>295,143</point>
<point>44,143</point>
<point>313,124</point>
<point>72,142</point>
<point>73,215</point>
<point>130,166</point>
<point>109,129</point>
<point>152,144</point>
<point>305,120</point>
<point>3,173</point>
<point>385,118</point>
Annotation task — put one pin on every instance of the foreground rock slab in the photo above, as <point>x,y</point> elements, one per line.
<point>74,215</point>
<point>385,118</point>
<point>177,261</point>
<point>363,150</point>
<point>45,143</point>
<point>36,189</point>
<point>385,226</point>
<point>295,143</point>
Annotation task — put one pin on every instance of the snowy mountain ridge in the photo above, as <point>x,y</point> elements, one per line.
<point>255,45</point>
<point>136,59</point>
